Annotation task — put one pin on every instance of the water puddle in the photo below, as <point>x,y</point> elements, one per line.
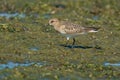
<point>112,64</point>
<point>22,15</point>
<point>95,17</point>
<point>47,16</point>
<point>11,65</point>
<point>10,15</point>
<point>34,48</point>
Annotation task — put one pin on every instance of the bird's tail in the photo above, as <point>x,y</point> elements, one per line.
<point>91,29</point>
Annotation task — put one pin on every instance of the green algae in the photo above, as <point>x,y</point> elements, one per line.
<point>17,36</point>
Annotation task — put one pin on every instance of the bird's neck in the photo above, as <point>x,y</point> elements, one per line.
<point>57,26</point>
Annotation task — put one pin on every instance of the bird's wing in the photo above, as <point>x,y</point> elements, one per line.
<point>71,28</point>
<point>91,29</point>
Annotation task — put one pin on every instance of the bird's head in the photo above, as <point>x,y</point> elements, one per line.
<point>54,22</point>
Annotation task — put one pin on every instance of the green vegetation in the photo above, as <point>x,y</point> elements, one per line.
<point>18,35</point>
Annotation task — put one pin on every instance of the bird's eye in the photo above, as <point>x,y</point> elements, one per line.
<point>52,21</point>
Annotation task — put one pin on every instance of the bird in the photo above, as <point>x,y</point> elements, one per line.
<point>70,29</point>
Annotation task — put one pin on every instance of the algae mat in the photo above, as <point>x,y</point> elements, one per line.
<point>30,49</point>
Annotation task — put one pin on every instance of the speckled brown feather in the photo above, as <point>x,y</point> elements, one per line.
<point>71,28</point>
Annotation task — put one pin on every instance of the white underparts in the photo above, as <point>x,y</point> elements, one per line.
<point>93,31</point>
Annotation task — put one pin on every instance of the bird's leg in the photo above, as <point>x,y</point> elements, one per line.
<point>73,42</point>
<point>67,41</point>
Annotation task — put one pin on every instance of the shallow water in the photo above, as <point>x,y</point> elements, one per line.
<point>27,40</point>
<point>112,64</point>
<point>34,48</point>
<point>11,65</point>
<point>96,17</point>
<point>9,15</point>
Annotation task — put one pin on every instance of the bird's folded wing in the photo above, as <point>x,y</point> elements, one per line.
<point>71,28</point>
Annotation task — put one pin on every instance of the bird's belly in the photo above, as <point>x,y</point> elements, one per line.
<point>62,32</point>
<point>69,35</point>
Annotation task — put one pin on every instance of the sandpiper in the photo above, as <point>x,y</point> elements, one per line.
<point>69,29</point>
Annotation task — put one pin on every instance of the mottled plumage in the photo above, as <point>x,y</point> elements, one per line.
<point>70,29</point>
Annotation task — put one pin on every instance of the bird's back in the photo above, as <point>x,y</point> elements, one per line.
<point>71,28</point>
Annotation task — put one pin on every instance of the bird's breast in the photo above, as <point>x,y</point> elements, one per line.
<point>60,29</point>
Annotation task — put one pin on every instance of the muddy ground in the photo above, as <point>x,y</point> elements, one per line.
<point>30,49</point>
